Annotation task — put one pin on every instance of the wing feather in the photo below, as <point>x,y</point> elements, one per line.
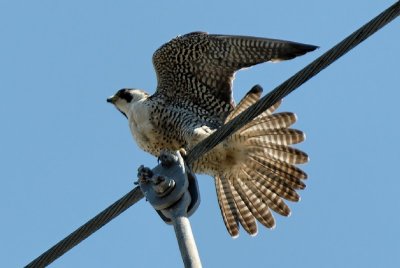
<point>197,69</point>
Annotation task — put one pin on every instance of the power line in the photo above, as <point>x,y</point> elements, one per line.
<point>87,229</point>
<point>207,144</point>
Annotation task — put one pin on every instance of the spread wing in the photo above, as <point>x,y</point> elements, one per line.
<point>197,69</point>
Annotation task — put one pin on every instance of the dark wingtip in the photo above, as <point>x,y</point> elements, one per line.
<point>310,47</point>
<point>302,49</point>
<point>257,89</point>
<point>297,49</point>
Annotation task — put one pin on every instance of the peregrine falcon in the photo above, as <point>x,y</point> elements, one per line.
<point>255,168</point>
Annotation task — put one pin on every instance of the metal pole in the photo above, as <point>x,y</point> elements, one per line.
<point>173,192</point>
<point>187,245</point>
<point>183,232</point>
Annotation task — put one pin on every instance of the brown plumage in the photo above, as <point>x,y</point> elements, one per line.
<point>254,169</point>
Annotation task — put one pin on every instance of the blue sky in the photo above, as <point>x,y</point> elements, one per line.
<point>66,154</point>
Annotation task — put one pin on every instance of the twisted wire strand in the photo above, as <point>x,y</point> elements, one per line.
<point>87,229</point>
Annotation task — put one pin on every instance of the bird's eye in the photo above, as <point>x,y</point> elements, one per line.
<point>125,94</point>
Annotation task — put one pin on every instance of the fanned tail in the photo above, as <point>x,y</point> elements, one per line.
<point>255,170</point>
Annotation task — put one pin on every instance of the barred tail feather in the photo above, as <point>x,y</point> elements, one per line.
<point>272,182</point>
<point>227,206</point>
<point>286,174</point>
<point>251,97</point>
<point>255,168</point>
<point>256,205</point>
<point>274,121</point>
<point>244,215</point>
<point>273,201</point>
<point>280,152</point>
<point>279,137</point>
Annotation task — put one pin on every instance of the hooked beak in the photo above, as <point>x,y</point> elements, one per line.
<point>112,99</point>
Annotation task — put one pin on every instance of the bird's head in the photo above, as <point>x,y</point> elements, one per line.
<point>126,98</point>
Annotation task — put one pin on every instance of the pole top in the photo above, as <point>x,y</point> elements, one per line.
<point>166,184</point>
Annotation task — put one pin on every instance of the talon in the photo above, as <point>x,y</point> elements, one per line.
<point>183,153</point>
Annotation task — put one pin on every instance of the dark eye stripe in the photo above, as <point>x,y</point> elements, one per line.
<point>125,94</point>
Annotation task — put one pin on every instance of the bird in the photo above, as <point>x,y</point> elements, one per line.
<point>255,169</point>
